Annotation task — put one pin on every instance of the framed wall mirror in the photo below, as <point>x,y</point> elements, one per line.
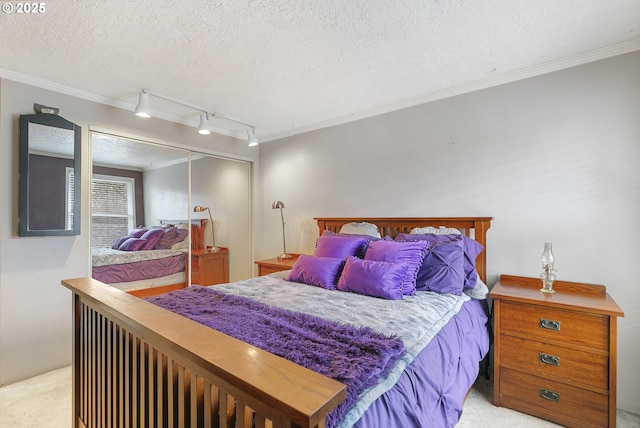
<point>49,184</point>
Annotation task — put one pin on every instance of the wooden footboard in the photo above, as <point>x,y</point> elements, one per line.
<point>137,365</point>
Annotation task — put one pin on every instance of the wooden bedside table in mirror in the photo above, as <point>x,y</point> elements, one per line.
<point>209,268</point>
<point>555,354</point>
<point>275,265</point>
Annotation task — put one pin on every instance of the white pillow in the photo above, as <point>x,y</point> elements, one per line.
<point>479,292</point>
<point>361,228</point>
<point>184,244</point>
<point>439,231</point>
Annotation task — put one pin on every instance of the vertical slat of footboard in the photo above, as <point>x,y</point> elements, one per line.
<point>160,379</point>
<point>151,391</point>
<point>193,402</point>
<point>119,397</point>
<point>101,372</point>
<point>108,375</point>
<point>170,397</point>
<point>180,395</point>
<point>127,379</point>
<point>222,409</point>
<point>94,369</point>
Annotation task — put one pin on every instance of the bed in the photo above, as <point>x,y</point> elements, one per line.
<point>136,364</point>
<point>130,267</point>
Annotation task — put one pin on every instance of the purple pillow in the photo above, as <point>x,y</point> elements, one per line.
<point>319,271</point>
<point>118,242</point>
<point>180,236</point>
<point>471,248</point>
<point>152,237</point>
<point>132,244</point>
<point>137,233</point>
<point>340,247</point>
<point>442,270</point>
<point>167,238</point>
<point>373,278</point>
<point>411,253</point>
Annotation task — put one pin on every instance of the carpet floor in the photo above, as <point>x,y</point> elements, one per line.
<point>45,402</point>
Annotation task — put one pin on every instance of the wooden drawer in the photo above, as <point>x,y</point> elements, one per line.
<point>564,364</point>
<point>555,325</point>
<point>577,403</point>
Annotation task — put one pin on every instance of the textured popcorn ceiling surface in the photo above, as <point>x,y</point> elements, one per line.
<point>289,66</point>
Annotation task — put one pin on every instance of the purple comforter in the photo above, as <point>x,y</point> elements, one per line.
<point>357,357</point>
<point>431,391</point>
<point>136,271</point>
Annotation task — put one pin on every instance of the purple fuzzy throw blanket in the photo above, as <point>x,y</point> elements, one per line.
<point>357,357</point>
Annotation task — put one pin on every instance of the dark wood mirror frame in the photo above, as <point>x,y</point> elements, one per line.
<point>43,186</point>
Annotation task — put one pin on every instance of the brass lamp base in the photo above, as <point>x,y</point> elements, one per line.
<point>285,256</point>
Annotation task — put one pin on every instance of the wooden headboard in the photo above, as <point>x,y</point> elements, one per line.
<point>473,227</point>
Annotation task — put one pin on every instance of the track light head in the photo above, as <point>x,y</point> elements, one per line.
<point>252,140</point>
<point>142,109</point>
<point>203,128</point>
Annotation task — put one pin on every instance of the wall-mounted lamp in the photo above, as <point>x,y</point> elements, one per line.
<point>212,247</point>
<point>284,256</point>
<point>142,110</point>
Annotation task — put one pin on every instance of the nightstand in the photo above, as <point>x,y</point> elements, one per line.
<point>209,268</point>
<point>555,354</point>
<point>275,265</point>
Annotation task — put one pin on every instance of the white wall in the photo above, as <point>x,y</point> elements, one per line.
<point>35,310</point>
<point>554,158</point>
<point>223,185</point>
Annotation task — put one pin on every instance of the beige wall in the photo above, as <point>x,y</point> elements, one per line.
<point>35,310</point>
<point>555,158</point>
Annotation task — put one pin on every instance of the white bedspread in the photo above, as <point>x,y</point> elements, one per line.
<point>414,319</point>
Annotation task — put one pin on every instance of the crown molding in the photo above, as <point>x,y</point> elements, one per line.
<point>495,80</point>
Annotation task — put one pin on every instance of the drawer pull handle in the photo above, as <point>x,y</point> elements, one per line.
<point>549,359</point>
<point>550,395</point>
<point>549,324</point>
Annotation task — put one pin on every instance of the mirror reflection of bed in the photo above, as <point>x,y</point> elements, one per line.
<point>142,224</point>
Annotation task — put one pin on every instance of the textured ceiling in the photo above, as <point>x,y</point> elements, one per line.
<point>289,66</point>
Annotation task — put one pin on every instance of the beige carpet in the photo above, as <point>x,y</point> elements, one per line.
<point>45,402</point>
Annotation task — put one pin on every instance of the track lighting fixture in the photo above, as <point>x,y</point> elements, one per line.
<point>251,137</point>
<point>142,110</point>
<point>204,124</point>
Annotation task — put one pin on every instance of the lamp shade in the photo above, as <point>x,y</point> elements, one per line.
<point>142,109</point>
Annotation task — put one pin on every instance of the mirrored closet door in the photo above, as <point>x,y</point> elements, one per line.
<point>145,219</point>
